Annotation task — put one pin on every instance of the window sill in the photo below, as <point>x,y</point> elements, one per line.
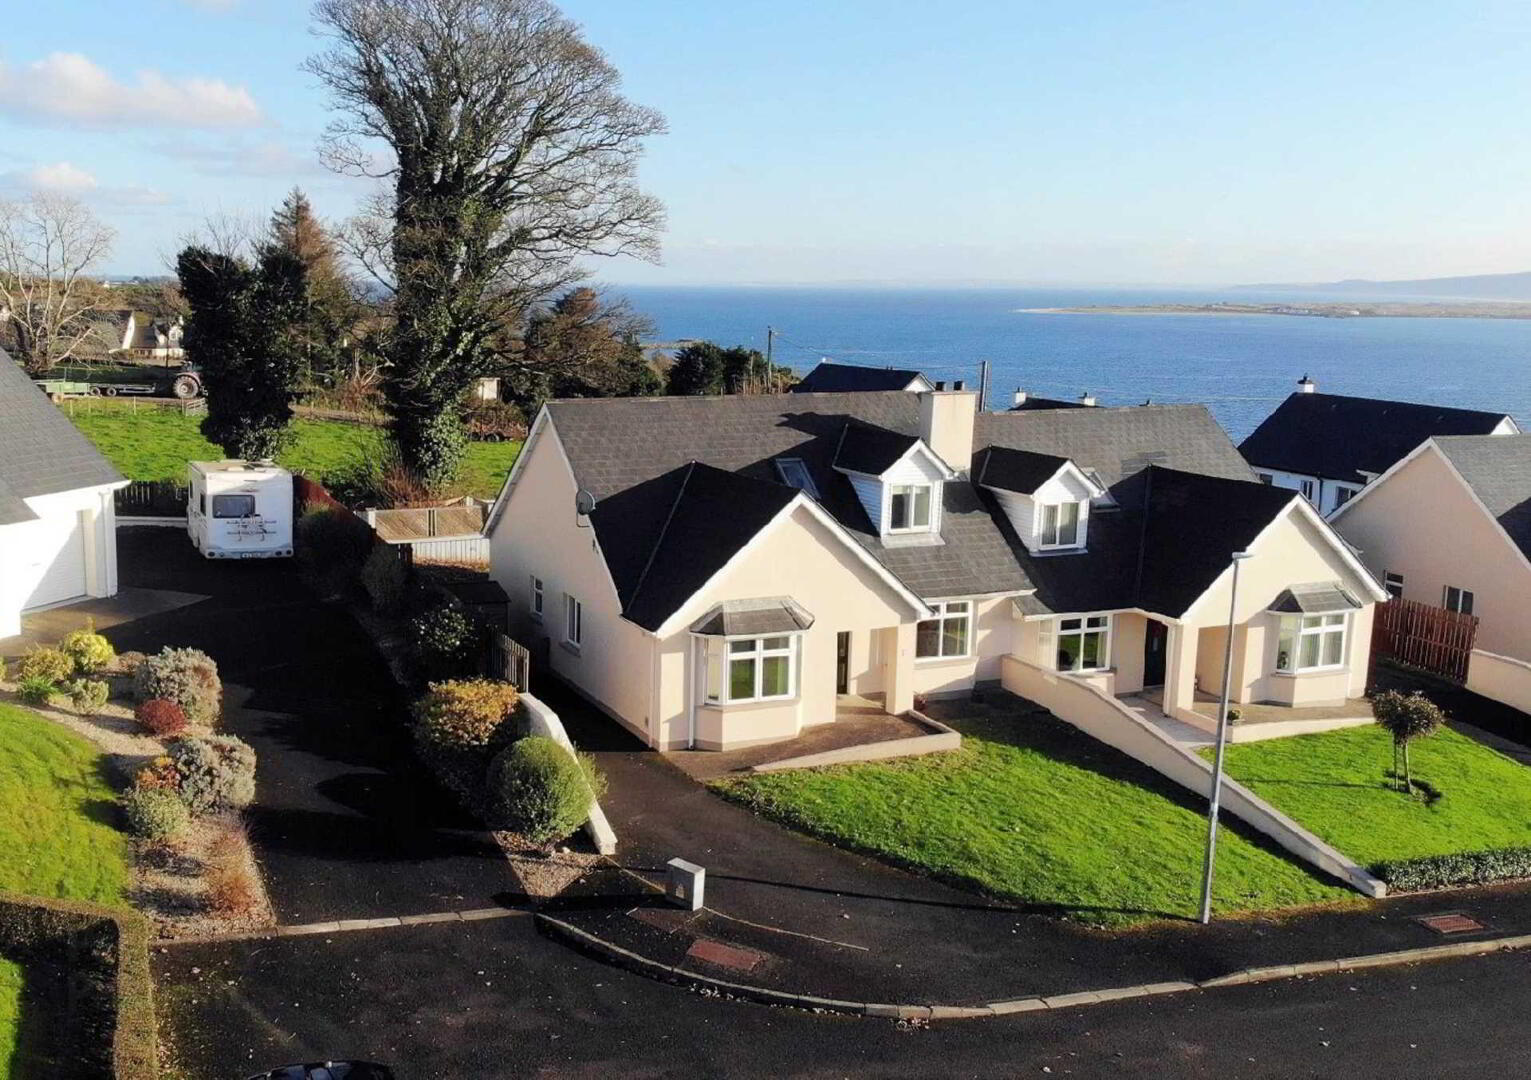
<point>937,661</point>
<point>749,706</point>
<point>569,647</point>
<point>1048,553</point>
<point>1309,673</point>
<point>1084,673</point>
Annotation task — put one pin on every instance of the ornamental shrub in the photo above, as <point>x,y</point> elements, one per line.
<point>384,578</point>
<point>154,814</point>
<point>216,772</point>
<point>538,789</point>
<point>160,717</point>
<point>445,641</point>
<point>187,677</point>
<point>465,714</point>
<point>127,663</point>
<point>89,650</point>
<point>160,775</point>
<point>52,665</point>
<point>36,690</point>
<point>88,696</point>
<point>1457,869</point>
<point>1406,717</point>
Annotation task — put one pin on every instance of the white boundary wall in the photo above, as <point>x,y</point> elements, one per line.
<point>1502,678</point>
<point>542,720</point>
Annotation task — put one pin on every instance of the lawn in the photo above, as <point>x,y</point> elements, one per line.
<point>1030,810</point>
<point>58,840</point>
<point>1335,784</point>
<point>149,442</point>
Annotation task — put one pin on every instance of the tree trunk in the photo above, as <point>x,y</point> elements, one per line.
<point>1408,780</point>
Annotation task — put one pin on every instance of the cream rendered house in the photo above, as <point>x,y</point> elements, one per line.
<point>1450,526</point>
<point>717,572</point>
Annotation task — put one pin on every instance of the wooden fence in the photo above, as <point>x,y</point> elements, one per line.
<point>1426,637</point>
<point>511,662</point>
<point>151,498</point>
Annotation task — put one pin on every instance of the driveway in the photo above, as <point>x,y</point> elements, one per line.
<point>346,824</point>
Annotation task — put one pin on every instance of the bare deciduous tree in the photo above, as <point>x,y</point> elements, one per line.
<point>49,244</point>
<point>510,153</point>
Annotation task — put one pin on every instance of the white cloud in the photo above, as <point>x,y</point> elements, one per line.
<point>72,89</point>
<point>66,178</point>
<point>242,158</point>
<point>60,176</point>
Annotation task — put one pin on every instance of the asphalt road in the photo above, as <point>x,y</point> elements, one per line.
<point>495,999</point>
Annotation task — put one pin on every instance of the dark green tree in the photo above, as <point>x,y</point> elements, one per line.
<point>1406,717</point>
<point>511,156</point>
<point>331,310</point>
<point>581,346</point>
<point>242,331</point>
<point>705,368</point>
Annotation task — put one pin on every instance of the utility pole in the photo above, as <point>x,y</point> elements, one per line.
<point>983,385</point>
<point>770,370</point>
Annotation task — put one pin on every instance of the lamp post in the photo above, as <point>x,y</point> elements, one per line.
<point>1222,743</point>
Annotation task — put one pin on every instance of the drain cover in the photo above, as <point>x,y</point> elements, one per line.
<point>1451,923</point>
<point>725,956</point>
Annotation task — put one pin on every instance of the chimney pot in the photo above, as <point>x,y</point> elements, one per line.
<point>940,384</point>
<point>958,385</point>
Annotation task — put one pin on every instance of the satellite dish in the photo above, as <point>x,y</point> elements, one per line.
<point>584,503</point>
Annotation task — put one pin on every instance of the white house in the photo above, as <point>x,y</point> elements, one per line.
<point>57,526</point>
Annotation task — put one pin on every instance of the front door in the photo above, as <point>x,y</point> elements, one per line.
<point>1154,643</point>
<point>843,662</point>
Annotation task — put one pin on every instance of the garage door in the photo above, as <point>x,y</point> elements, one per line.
<point>54,550</point>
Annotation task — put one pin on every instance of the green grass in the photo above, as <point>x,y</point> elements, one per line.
<point>57,840</point>
<point>10,1014</point>
<point>1335,784</point>
<point>148,442</point>
<point>1030,810</point>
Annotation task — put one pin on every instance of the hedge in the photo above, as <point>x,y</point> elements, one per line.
<point>118,941</point>
<point>1459,868</point>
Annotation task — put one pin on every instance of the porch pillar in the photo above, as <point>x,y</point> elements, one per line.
<point>898,668</point>
<point>1180,669</point>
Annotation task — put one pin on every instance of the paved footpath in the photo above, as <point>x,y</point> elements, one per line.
<point>817,920</point>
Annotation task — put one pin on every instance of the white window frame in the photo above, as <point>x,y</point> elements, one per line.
<point>1456,603</point>
<point>794,473</point>
<point>719,656</point>
<point>573,621</point>
<point>1343,493</point>
<point>912,491</point>
<point>947,611</point>
<point>1309,489</point>
<point>1296,627</point>
<point>1099,622</point>
<point>1393,583</point>
<point>537,596</point>
<point>1056,509</point>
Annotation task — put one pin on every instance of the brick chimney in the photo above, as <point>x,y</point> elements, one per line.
<point>946,425</point>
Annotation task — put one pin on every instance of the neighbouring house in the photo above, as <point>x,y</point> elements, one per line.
<point>828,377</point>
<point>1450,526</point>
<point>1330,446</point>
<point>714,572</point>
<point>57,525</point>
<point>1025,401</point>
<point>138,335</point>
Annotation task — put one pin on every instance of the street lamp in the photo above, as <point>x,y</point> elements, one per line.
<point>1222,743</point>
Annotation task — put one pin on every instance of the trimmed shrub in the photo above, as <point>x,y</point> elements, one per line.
<point>232,885</point>
<point>54,665</point>
<point>159,775</point>
<point>153,814</point>
<point>36,690</point>
<point>216,772</point>
<point>330,543</point>
<point>88,696</point>
<point>127,663</point>
<point>89,650</point>
<point>160,717</point>
<point>384,578</point>
<point>465,714</point>
<point>539,790</point>
<point>1460,868</point>
<point>187,677</point>
<point>445,641</point>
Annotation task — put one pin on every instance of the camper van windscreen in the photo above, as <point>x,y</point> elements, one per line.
<point>233,506</point>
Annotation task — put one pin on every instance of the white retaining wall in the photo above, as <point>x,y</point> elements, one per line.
<point>1104,718</point>
<point>542,720</point>
<point>1502,678</point>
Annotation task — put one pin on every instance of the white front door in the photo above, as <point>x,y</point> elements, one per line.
<point>52,557</point>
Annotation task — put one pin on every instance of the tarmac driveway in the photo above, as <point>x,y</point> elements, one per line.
<point>346,824</point>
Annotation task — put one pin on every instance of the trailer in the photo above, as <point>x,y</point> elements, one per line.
<point>239,509</point>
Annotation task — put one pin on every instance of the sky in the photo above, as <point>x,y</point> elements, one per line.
<point>980,141</point>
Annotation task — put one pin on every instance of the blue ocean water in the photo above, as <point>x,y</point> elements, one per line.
<point>1239,366</point>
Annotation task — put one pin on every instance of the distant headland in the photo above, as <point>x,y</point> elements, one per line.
<point>1391,309</point>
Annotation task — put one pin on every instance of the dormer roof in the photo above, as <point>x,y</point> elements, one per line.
<point>1024,472</point>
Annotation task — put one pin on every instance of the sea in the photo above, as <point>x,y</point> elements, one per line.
<point>1239,366</point>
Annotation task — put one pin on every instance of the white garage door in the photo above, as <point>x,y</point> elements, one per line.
<point>53,551</point>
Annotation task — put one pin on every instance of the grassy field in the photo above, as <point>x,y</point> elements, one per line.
<point>148,442</point>
<point>1033,811</point>
<point>1335,784</point>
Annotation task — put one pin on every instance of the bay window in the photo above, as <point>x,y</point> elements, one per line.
<point>751,669</point>
<point>1084,643</point>
<point>909,507</point>
<point>1312,642</point>
<point>949,635</point>
<point>1059,525</point>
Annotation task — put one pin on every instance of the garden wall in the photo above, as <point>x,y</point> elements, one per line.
<point>1501,678</point>
<point>544,721</point>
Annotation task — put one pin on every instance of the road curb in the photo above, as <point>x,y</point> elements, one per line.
<point>350,926</point>
<point>596,946</point>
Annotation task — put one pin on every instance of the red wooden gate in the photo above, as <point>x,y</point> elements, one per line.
<point>1422,636</point>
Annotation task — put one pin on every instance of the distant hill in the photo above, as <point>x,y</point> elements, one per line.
<point>1475,287</point>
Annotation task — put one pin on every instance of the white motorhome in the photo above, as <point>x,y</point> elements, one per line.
<point>240,509</point>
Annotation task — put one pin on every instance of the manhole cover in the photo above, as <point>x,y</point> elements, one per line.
<point>725,956</point>
<point>1452,923</point>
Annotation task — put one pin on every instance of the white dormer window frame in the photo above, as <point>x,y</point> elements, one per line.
<point>1040,517</point>
<point>1051,524</point>
<point>909,508</point>
<point>916,481</point>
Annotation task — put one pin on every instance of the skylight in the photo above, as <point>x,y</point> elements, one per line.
<point>794,473</point>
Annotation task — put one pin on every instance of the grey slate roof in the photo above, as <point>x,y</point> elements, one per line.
<point>41,452</point>
<point>870,450</point>
<point>754,618</point>
<point>683,483</point>
<point>1021,471</point>
<point>1498,469</point>
<point>831,378</point>
<point>1338,437</point>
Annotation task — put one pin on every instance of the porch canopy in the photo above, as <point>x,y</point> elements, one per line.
<point>1315,598</point>
<point>763,617</point>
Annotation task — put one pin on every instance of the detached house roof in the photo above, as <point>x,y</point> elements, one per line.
<point>1340,438</point>
<point>832,378</point>
<point>1498,469</point>
<point>41,452</point>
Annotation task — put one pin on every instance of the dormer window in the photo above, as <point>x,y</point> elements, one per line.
<point>1048,499</point>
<point>909,507</point>
<point>1059,525</point>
